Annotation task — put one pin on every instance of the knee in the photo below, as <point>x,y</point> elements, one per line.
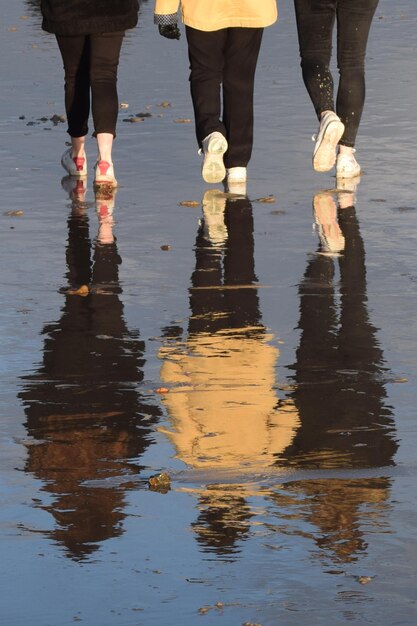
<point>201,75</point>
<point>351,61</point>
<point>314,65</point>
<point>352,74</point>
<point>107,75</point>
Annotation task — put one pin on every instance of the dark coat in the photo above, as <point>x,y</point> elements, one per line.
<point>88,17</point>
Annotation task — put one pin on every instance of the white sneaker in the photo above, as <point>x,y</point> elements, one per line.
<point>213,148</point>
<point>347,166</point>
<point>104,174</point>
<point>236,181</point>
<point>75,166</point>
<point>330,131</point>
<point>236,175</point>
<point>214,204</point>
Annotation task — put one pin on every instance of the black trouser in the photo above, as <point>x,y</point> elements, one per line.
<point>226,58</point>
<point>90,63</point>
<point>315,22</point>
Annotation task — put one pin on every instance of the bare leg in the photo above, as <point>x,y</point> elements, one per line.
<point>105,145</point>
<point>78,146</point>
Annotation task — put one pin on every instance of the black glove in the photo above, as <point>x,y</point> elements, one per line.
<point>170,31</point>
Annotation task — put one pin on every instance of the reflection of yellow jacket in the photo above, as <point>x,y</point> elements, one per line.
<point>215,14</point>
<point>222,401</point>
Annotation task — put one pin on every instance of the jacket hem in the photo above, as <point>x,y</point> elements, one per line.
<point>89,27</point>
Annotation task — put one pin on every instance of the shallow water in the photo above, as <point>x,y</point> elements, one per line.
<point>274,382</point>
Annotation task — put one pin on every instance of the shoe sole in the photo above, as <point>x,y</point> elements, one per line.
<point>324,155</point>
<point>214,170</point>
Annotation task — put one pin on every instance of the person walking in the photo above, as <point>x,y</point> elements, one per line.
<point>339,125</point>
<point>224,39</point>
<point>89,36</point>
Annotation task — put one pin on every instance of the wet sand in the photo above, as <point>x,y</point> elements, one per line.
<point>223,343</point>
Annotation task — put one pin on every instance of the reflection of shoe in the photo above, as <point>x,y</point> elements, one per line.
<point>214,204</point>
<point>105,197</point>
<point>76,188</point>
<point>236,180</point>
<point>104,174</point>
<point>75,166</point>
<point>213,148</point>
<point>237,189</point>
<point>330,131</point>
<point>325,216</point>
<point>346,191</point>
<point>347,184</point>
<point>347,166</point>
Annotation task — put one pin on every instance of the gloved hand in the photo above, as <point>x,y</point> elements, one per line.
<point>170,31</point>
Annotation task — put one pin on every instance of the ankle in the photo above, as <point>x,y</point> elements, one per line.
<point>77,147</point>
<point>323,113</point>
<point>347,150</point>
<point>107,158</point>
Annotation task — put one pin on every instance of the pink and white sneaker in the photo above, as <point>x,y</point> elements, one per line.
<point>75,166</point>
<point>104,174</point>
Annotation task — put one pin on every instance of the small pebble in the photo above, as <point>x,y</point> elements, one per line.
<point>81,291</point>
<point>189,203</point>
<point>266,199</point>
<point>160,482</point>
<point>13,213</point>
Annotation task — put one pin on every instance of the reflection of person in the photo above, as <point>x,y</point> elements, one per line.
<point>339,371</point>
<point>338,125</point>
<point>339,395</point>
<point>224,38</point>
<point>83,408</point>
<point>90,36</point>
<point>222,400</point>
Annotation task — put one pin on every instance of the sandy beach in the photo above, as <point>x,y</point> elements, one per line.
<point>269,369</point>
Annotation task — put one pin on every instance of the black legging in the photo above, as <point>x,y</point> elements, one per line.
<point>90,63</point>
<point>315,22</point>
<point>223,62</point>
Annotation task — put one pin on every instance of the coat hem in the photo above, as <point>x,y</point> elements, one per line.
<point>88,27</point>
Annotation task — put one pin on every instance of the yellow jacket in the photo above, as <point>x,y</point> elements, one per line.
<point>211,15</point>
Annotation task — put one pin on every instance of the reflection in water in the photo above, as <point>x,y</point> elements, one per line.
<point>222,403</point>
<point>339,371</point>
<point>84,413</point>
<point>338,392</point>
